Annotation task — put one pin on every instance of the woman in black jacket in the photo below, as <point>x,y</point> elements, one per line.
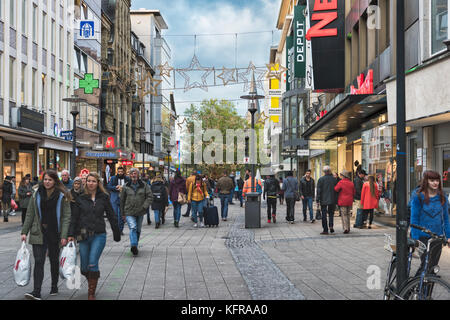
<point>88,226</point>
<point>160,200</point>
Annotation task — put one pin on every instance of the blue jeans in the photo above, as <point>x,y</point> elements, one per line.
<point>176,211</point>
<point>308,203</point>
<point>241,199</point>
<point>90,251</point>
<point>224,198</point>
<point>230,200</point>
<point>157,214</point>
<point>135,226</point>
<point>116,208</point>
<point>327,210</point>
<point>197,208</point>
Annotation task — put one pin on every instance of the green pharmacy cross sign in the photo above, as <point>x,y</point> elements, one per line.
<point>89,83</point>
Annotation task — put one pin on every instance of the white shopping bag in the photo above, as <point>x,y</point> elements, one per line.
<point>68,261</point>
<point>22,267</point>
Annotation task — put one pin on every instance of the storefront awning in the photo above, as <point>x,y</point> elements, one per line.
<point>347,116</point>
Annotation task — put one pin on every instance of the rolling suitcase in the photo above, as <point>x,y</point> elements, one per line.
<point>211,214</point>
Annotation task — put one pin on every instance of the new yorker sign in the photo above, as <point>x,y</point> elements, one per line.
<point>327,36</point>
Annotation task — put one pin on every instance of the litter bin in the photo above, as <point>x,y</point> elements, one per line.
<point>253,210</point>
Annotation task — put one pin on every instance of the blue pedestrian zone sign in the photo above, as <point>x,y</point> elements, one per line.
<point>87,30</point>
<point>67,135</point>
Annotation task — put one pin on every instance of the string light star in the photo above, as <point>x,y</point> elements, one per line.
<point>276,70</point>
<point>195,65</point>
<point>180,123</point>
<point>165,69</point>
<point>142,85</point>
<point>246,77</point>
<point>262,118</point>
<point>227,76</point>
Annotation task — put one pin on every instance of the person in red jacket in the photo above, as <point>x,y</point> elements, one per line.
<point>346,192</point>
<point>369,200</point>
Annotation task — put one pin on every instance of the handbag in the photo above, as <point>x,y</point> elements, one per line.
<point>14,205</point>
<point>181,198</point>
<point>318,214</point>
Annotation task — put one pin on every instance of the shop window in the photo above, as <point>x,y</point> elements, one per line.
<point>439,25</point>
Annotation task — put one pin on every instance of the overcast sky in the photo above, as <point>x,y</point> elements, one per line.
<point>212,16</point>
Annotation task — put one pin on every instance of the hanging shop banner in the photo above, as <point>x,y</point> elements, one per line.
<point>299,41</point>
<point>309,77</point>
<point>290,61</point>
<point>327,36</point>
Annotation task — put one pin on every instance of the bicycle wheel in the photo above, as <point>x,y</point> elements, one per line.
<point>434,288</point>
<point>390,288</point>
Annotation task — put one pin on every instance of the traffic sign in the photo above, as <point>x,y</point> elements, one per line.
<point>67,135</point>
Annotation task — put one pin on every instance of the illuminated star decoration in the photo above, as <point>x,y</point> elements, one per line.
<point>227,76</point>
<point>165,69</point>
<point>262,118</point>
<point>195,65</point>
<point>246,77</point>
<point>180,123</point>
<point>142,85</point>
<point>276,70</point>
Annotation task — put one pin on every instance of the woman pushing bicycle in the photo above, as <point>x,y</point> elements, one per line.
<point>429,209</point>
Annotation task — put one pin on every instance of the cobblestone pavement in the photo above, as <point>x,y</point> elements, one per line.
<point>278,261</point>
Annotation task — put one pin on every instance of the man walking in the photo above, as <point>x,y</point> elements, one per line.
<point>358,183</point>
<point>6,196</point>
<point>225,187</point>
<point>135,199</point>
<point>271,189</point>
<point>240,185</point>
<point>327,199</point>
<point>233,179</point>
<point>189,182</point>
<point>290,188</point>
<point>66,181</point>
<point>114,187</point>
<point>307,189</point>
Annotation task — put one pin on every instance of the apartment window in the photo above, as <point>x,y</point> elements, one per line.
<point>69,47</point>
<point>12,79</point>
<point>1,68</point>
<point>24,16</point>
<point>35,26</point>
<point>52,96</point>
<point>1,11</point>
<point>60,111</point>
<point>53,36</point>
<point>33,88</point>
<point>61,42</point>
<point>44,96</point>
<point>44,30</point>
<point>439,25</point>
<point>22,83</point>
<point>12,13</point>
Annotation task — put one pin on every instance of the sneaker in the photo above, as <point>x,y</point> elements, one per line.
<point>331,230</point>
<point>192,219</point>
<point>134,250</point>
<point>163,220</point>
<point>54,291</point>
<point>195,225</point>
<point>224,219</point>
<point>33,296</point>
<point>346,231</point>
<point>268,221</point>
<point>274,218</point>
<point>324,233</point>
<point>202,225</point>
<point>176,224</point>
<point>149,222</point>
<point>304,219</point>
<point>186,215</point>
<point>369,227</point>
<point>12,213</point>
<point>313,220</point>
<point>157,225</point>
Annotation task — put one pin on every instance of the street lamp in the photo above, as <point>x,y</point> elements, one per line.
<point>252,205</point>
<point>75,110</point>
<point>169,147</point>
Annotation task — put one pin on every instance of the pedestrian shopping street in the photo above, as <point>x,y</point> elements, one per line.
<point>276,262</point>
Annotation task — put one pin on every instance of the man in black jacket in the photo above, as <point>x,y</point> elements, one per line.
<point>240,184</point>
<point>307,189</point>
<point>271,188</point>
<point>7,191</point>
<point>327,199</point>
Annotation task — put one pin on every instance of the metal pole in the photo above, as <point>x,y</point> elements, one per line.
<point>74,145</point>
<point>168,166</point>
<point>402,226</point>
<point>253,186</point>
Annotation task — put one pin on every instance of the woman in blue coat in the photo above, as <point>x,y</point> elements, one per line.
<point>429,209</point>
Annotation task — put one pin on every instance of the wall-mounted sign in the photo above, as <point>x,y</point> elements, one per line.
<point>87,30</point>
<point>290,61</point>
<point>110,143</point>
<point>99,154</point>
<point>67,135</point>
<point>299,41</point>
<point>327,36</point>
<point>89,83</point>
<point>127,163</point>
<point>275,111</point>
<point>30,119</point>
<point>275,93</point>
<point>365,86</point>
<point>303,152</point>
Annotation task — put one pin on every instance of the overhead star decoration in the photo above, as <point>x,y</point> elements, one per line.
<point>180,123</point>
<point>246,77</point>
<point>276,70</point>
<point>154,83</point>
<point>195,65</point>
<point>227,76</point>
<point>165,69</point>
<point>262,118</point>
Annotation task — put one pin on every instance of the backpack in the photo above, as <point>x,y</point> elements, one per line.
<point>158,192</point>
<point>271,188</point>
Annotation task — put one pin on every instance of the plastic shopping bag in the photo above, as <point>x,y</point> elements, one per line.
<point>22,267</point>
<point>68,261</point>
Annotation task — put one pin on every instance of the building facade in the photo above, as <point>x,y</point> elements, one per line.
<point>36,73</point>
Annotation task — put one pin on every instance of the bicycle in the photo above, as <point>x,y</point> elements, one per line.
<point>427,285</point>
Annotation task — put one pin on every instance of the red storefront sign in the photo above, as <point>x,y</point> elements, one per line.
<point>325,18</point>
<point>365,86</point>
<point>127,163</point>
<point>110,143</point>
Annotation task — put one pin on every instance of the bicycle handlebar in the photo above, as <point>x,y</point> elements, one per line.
<point>432,234</point>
